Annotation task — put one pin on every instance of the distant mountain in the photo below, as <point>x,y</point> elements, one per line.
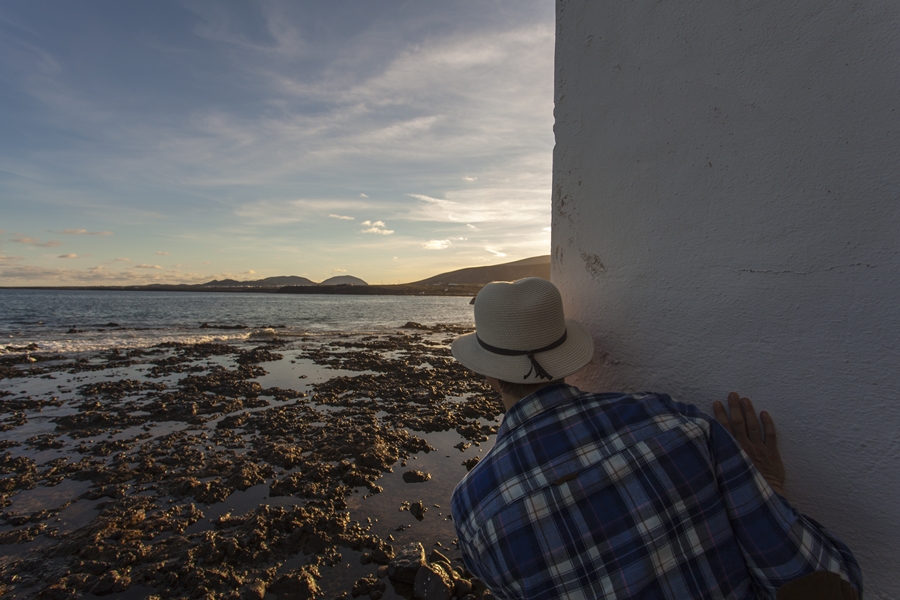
<point>538,266</point>
<point>344,280</point>
<point>267,282</point>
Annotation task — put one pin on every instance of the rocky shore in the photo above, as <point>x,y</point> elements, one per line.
<point>318,467</point>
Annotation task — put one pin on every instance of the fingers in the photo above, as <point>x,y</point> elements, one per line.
<point>738,426</point>
<point>722,416</point>
<point>769,428</point>
<point>742,422</point>
<point>750,419</point>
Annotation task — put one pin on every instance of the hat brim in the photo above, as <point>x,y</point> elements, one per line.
<point>571,356</point>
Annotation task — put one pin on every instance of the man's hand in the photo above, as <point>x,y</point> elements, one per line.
<point>763,451</point>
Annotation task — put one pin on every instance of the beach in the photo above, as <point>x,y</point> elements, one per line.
<point>266,466</point>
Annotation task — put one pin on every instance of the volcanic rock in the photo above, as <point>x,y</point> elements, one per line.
<point>409,560</point>
<point>416,476</point>
<point>417,509</point>
<point>471,462</point>
<point>433,583</point>
<point>299,584</point>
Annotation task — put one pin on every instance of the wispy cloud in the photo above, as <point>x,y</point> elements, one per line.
<point>341,217</point>
<point>146,266</point>
<point>84,232</point>
<point>495,252</point>
<point>67,256</point>
<point>30,241</point>
<point>436,245</point>
<point>162,253</point>
<point>279,212</point>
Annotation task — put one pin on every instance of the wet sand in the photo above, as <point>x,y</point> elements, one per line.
<point>276,468</point>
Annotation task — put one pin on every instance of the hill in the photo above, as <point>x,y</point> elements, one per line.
<point>267,282</point>
<point>344,280</point>
<point>538,266</point>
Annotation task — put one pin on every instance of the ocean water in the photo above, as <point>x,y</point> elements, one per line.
<point>86,320</point>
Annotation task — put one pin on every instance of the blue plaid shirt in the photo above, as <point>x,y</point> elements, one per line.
<point>630,496</point>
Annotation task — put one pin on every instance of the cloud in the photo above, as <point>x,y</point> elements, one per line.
<point>161,253</point>
<point>144,266</point>
<point>495,252</point>
<point>336,270</point>
<point>469,178</point>
<point>547,229</point>
<point>376,227</point>
<point>4,258</point>
<point>341,217</point>
<point>363,195</point>
<point>67,256</point>
<point>436,245</point>
<point>280,211</point>
<point>39,275</point>
<point>431,200</point>
<point>472,227</point>
<point>250,272</point>
<point>30,241</point>
<point>125,260</point>
<point>84,232</point>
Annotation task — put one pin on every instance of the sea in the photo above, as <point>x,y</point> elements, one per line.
<point>91,320</point>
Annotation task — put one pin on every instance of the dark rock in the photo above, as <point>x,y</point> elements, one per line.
<point>254,590</point>
<point>299,584</point>
<point>416,476</point>
<point>462,587</point>
<point>417,509</point>
<point>110,582</point>
<point>208,326</point>
<point>436,557</point>
<point>368,586</point>
<point>409,560</point>
<point>471,462</point>
<point>432,583</point>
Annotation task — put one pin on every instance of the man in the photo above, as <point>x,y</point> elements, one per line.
<point>620,495</point>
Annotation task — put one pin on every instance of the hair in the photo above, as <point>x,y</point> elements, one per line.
<point>520,390</point>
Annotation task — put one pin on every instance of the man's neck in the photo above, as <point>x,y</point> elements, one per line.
<point>509,400</point>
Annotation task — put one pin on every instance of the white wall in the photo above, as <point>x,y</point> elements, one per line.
<point>726,216</point>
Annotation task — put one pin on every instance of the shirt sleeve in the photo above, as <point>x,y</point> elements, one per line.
<point>778,543</point>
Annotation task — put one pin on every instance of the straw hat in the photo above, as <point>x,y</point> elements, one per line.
<point>522,335</point>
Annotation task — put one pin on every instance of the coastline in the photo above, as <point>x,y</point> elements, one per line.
<point>277,468</point>
<point>467,289</point>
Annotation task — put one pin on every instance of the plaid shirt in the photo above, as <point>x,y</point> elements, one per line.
<point>630,496</point>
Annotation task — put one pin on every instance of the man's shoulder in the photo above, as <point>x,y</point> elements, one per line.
<point>648,403</point>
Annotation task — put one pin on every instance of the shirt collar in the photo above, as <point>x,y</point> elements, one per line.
<point>537,402</point>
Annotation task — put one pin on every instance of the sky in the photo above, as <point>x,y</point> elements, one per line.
<point>185,141</point>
